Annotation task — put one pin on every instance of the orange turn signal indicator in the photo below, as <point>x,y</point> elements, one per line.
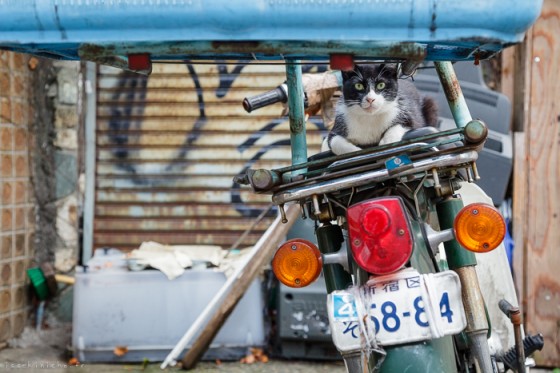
<point>479,227</point>
<point>297,263</point>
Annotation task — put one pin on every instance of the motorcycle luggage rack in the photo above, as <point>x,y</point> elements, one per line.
<point>365,166</point>
<point>439,161</point>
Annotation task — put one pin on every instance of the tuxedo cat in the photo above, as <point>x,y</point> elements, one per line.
<point>377,108</point>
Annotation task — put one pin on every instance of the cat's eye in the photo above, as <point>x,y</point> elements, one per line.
<point>359,86</point>
<point>380,86</point>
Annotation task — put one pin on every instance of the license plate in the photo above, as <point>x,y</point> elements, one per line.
<point>403,307</point>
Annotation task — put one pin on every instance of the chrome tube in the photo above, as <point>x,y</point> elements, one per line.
<point>375,176</point>
<point>380,154</point>
<point>477,323</point>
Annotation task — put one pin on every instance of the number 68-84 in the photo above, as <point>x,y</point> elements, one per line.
<point>390,319</point>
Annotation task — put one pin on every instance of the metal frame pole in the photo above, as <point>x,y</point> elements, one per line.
<point>89,194</point>
<point>461,261</point>
<point>241,278</point>
<point>453,93</point>
<point>297,114</point>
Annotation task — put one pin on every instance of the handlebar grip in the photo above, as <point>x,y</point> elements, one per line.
<point>507,308</point>
<point>278,94</point>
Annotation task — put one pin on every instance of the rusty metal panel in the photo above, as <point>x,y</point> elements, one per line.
<point>169,145</point>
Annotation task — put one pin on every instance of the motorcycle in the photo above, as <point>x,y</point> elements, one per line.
<point>397,301</point>
<point>396,245</point>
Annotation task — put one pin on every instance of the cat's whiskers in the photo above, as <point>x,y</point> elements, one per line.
<point>353,102</point>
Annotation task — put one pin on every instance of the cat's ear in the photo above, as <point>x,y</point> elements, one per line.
<point>392,69</point>
<point>347,74</point>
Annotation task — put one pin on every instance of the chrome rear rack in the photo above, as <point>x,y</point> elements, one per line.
<point>459,160</point>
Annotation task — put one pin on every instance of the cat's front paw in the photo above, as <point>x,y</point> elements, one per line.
<point>387,140</point>
<point>393,134</point>
<point>339,145</point>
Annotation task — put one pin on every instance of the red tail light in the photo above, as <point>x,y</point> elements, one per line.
<point>380,235</point>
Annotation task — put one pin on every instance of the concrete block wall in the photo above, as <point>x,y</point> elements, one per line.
<point>16,197</point>
<point>67,117</point>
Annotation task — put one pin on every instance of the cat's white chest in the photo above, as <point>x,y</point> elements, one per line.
<point>366,128</point>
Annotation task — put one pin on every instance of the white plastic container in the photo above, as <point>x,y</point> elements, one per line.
<point>146,314</point>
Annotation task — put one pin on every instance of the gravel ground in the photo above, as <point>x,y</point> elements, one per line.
<point>45,351</point>
<point>40,352</point>
<point>47,359</point>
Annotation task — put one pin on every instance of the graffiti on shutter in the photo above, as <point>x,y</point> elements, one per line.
<point>169,145</point>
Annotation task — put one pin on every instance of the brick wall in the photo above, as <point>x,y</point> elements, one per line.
<point>16,207</point>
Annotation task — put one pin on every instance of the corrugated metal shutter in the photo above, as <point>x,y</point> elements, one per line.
<point>169,145</point>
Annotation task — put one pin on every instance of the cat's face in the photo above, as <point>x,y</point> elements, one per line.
<point>370,89</point>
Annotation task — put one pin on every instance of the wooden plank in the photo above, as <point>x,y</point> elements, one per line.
<point>543,193</point>
<point>508,72</point>
<point>274,235</point>
<point>521,83</point>
<point>519,215</point>
<point>515,80</point>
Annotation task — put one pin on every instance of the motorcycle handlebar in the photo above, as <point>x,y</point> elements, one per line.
<point>278,94</point>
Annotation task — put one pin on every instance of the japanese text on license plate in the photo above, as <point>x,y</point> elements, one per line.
<point>403,307</point>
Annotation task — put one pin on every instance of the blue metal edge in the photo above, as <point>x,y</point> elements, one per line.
<point>180,29</point>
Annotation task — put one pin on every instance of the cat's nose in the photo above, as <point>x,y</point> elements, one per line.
<point>370,99</point>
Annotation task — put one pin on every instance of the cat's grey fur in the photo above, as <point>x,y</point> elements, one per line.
<point>372,116</point>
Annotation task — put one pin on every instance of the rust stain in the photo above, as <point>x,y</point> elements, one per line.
<point>100,53</point>
<point>452,91</point>
<point>93,51</point>
<point>239,45</point>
